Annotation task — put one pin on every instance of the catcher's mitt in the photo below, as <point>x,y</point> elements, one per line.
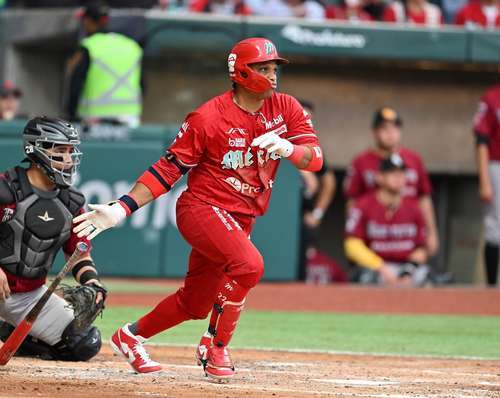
<point>82,299</point>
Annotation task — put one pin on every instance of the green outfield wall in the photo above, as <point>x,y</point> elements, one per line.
<point>148,244</point>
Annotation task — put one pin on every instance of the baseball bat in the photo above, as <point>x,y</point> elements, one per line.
<point>10,347</point>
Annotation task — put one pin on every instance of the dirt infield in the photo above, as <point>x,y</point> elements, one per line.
<point>349,298</point>
<point>259,374</point>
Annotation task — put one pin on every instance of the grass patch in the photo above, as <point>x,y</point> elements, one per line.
<point>392,334</point>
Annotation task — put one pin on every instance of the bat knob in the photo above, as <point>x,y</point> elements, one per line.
<point>82,247</point>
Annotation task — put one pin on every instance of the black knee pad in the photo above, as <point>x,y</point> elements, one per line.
<point>30,347</point>
<point>78,345</point>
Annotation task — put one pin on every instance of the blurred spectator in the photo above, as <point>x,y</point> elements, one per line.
<point>318,192</point>
<point>361,174</point>
<point>221,7</point>
<point>374,8</point>
<point>174,5</point>
<point>385,231</point>
<point>309,9</point>
<point>487,131</point>
<point>480,13</point>
<point>451,8</point>
<point>419,12</point>
<point>9,100</point>
<point>348,10</point>
<point>105,73</point>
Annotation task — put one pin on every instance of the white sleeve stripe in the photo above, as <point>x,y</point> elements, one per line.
<point>300,135</point>
<point>186,164</point>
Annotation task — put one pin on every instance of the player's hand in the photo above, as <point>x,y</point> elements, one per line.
<point>388,276</point>
<point>4,286</point>
<point>274,143</point>
<point>311,221</point>
<point>486,192</point>
<point>101,218</point>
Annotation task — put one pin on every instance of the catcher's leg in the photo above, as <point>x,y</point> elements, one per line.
<point>53,335</point>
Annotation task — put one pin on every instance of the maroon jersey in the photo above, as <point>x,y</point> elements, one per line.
<point>487,121</point>
<point>214,143</point>
<point>392,235</point>
<point>360,178</point>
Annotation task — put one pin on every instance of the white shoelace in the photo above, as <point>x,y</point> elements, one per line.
<point>141,351</point>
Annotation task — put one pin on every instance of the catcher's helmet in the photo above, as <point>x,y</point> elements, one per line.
<point>40,136</point>
<point>252,51</point>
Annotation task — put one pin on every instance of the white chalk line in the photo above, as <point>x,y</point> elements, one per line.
<point>336,352</point>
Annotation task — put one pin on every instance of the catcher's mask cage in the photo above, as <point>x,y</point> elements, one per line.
<point>42,137</point>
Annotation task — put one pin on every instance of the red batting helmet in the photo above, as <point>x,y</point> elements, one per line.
<point>252,51</point>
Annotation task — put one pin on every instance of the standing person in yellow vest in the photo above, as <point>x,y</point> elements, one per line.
<point>105,79</point>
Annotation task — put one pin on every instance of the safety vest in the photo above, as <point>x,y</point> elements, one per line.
<point>112,87</point>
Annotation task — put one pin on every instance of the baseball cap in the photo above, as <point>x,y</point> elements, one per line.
<point>9,88</point>
<point>392,162</point>
<point>386,114</point>
<point>96,10</point>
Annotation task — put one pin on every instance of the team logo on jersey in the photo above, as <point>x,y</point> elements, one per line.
<point>237,142</point>
<point>45,217</point>
<point>236,130</point>
<point>7,214</point>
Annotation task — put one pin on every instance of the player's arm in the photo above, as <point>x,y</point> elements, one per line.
<point>484,121</point>
<point>427,208</point>
<point>482,160</point>
<point>183,155</point>
<point>7,208</point>
<point>357,251</point>
<point>299,143</point>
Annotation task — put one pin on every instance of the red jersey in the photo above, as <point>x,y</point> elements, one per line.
<point>214,144</point>
<point>360,177</point>
<point>475,14</point>
<point>430,15</point>
<point>487,121</point>
<point>393,236</point>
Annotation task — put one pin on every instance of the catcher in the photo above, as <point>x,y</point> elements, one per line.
<point>37,205</point>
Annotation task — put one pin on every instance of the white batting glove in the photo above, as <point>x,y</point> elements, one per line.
<point>273,143</point>
<point>99,219</point>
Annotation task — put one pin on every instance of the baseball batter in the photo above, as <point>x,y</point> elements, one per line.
<point>231,146</point>
<point>37,206</point>
<point>487,132</point>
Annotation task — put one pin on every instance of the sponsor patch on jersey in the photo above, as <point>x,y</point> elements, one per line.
<point>238,142</point>
<point>273,123</point>
<point>236,130</point>
<point>280,130</point>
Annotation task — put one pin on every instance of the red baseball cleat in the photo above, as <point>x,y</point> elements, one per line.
<point>219,366</point>
<point>202,350</point>
<point>125,343</point>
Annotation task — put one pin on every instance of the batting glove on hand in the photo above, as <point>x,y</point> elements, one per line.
<point>273,143</point>
<point>99,219</point>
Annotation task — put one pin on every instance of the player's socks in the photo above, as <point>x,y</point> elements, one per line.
<point>491,254</point>
<point>164,316</point>
<point>226,312</point>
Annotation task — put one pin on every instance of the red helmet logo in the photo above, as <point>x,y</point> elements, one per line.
<point>247,52</point>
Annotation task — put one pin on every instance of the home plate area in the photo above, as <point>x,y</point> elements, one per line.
<point>259,374</point>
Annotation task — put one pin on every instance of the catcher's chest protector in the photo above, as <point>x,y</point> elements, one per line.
<point>42,223</point>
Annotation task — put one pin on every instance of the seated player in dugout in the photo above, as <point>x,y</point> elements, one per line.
<point>360,178</point>
<point>37,207</point>
<point>386,233</point>
<point>317,194</point>
<point>231,146</point>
